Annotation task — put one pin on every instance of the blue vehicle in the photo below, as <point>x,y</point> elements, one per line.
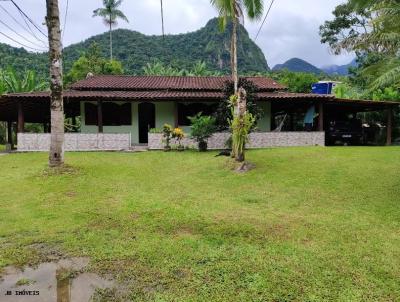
<point>323,87</point>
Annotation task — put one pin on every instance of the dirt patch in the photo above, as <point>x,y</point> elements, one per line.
<point>71,194</point>
<point>63,280</point>
<point>63,170</point>
<point>244,167</point>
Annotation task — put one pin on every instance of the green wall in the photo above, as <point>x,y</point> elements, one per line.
<point>264,124</point>
<point>164,115</point>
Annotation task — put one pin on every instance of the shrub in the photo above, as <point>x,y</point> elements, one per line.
<point>201,129</point>
<point>167,134</point>
<point>240,131</point>
<point>178,134</point>
<point>156,130</point>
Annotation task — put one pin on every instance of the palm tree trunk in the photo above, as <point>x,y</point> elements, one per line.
<point>162,19</point>
<point>111,45</point>
<point>234,55</point>
<point>56,156</point>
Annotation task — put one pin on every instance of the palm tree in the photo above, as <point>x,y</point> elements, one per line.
<point>233,11</point>
<point>110,13</point>
<point>56,154</point>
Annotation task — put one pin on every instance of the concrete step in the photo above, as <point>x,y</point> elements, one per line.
<point>139,148</point>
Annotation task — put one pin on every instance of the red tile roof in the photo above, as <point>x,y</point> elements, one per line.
<point>116,95</point>
<point>165,95</point>
<point>181,83</point>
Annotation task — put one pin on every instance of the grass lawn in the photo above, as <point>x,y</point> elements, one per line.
<point>308,224</point>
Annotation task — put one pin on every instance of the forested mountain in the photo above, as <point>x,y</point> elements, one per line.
<point>339,69</point>
<point>298,65</point>
<point>135,50</point>
<point>21,60</point>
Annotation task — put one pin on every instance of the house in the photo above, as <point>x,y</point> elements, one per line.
<point>117,112</point>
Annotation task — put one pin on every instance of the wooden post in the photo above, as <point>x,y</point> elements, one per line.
<point>320,116</point>
<point>21,120</point>
<point>9,133</point>
<point>389,126</point>
<point>176,119</point>
<point>100,116</point>
<point>291,121</point>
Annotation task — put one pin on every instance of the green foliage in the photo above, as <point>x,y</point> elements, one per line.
<point>92,62</point>
<point>346,91</point>
<point>223,113</point>
<point>3,86</point>
<point>299,82</point>
<point>387,94</point>
<point>369,27</point>
<point>178,134</point>
<point>22,60</point>
<point>156,130</point>
<point>157,68</point>
<point>229,10</point>
<point>240,132</point>
<point>202,128</point>
<point>110,12</point>
<point>134,50</point>
<point>11,81</point>
<point>349,24</point>
<point>72,125</point>
<point>167,131</point>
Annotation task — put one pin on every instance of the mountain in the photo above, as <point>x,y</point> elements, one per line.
<point>135,50</point>
<point>20,59</point>
<point>339,69</point>
<point>298,65</point>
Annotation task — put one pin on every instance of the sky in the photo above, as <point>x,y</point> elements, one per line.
<point>291,29</point>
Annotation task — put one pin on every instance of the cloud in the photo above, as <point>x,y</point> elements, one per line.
<point>291,29</point>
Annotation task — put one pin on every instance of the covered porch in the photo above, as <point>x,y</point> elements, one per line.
<point>119,120</point>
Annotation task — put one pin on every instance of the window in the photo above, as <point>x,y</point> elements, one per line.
<point>187,110</point>
<point>90,114</point>
<point>113,114</point>
<point>116,114</point>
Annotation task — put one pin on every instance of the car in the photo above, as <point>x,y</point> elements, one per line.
<point>346,132</point>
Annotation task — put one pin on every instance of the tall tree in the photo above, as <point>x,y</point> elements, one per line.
<point>233,11</point>
<point>110,14</point>
<point>377,44</point>
<point>56,156</point>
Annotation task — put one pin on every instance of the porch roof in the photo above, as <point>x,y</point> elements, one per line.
<point>79,95</point>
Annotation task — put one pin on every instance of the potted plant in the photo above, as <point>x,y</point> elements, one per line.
<point>202,129</point>
<point>178,134</point>
<point>167,135</point>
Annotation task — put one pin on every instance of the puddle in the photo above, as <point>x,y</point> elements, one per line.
<point>61,281</point>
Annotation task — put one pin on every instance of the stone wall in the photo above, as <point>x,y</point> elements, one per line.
<point>257,140</point>
<point>75,142</point>
<point>115,142</point>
